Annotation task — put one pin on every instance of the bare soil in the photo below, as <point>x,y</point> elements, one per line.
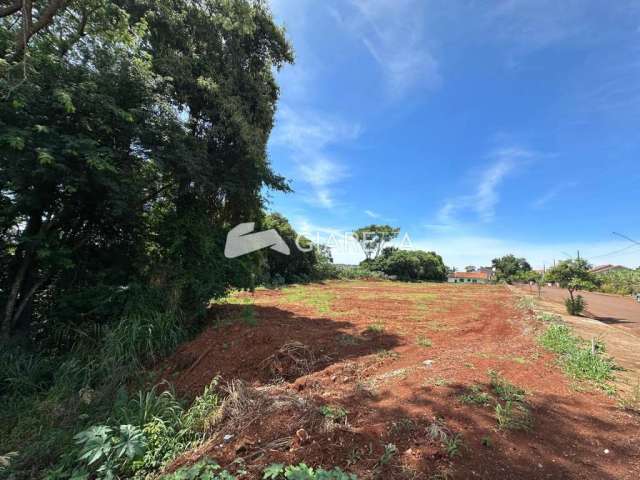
<point>396,358</point>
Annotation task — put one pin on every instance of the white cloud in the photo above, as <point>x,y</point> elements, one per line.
<point>482,202</point>
<point>551,194</point>
<point>309,137</point>
<point>393,32</point>
<point>372,214</point>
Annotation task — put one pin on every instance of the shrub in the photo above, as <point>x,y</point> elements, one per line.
<point>576,305</point>
<point>108,452</point>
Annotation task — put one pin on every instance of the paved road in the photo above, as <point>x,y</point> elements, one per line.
<point>615,310</point>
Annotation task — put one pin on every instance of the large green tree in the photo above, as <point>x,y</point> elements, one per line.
<point>509,267</point>
<point>373,238</point>
<point>132,136</point>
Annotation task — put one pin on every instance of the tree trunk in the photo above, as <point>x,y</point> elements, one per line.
<point>7,322</point>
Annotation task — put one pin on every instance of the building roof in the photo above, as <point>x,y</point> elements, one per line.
<point>607,268</point>
<point>476,275</point>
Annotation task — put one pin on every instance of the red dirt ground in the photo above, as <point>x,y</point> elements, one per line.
<point>393,388</point>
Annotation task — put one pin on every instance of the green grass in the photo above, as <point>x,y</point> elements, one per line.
<point>424,342</point>
<point>576,356</point>
<point>319,299</point>
<point>475,396</point>
<point>513,415</point>
<point>505,391</point>
<point>376,327</point>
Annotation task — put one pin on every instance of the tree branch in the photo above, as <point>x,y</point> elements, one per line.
<point>29,29</point>
<point>11,9</point>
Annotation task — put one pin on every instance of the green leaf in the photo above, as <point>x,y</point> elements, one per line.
<point>45,158</point>
<point>273,471</point>
<point>65,101</point>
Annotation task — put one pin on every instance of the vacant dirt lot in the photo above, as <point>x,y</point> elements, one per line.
<point>341,370</point>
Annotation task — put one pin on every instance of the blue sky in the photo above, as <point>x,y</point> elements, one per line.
<point>479,128</point>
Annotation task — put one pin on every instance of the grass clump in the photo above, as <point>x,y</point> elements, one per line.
<point>475,396</point>
<point>503,389</point>
<point>513,415</point>
<point>424,342</point>
<point>511,410</point>
<point>579,359</point>
<point>376,327</point>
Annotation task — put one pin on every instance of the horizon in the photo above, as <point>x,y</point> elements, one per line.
<point>478,131</point>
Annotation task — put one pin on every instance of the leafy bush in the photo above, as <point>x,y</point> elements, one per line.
<point>621,282</point>
<point>110,452</point>
<point>576,305</point>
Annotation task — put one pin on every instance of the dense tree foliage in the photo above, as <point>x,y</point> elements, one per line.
<point>510,268</point>
<point>305,262</point>
<point>411,265</point>
<point>132,135</point>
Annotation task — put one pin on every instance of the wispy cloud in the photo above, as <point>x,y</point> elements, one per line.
<point>309,137</point>
<point>372,214</point>
<point>393,32</point>
<point>551,194</point>
<point>482,202</point>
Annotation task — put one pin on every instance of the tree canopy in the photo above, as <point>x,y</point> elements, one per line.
<point>508,268</point>
<point>373,238</point>
<point>132,136</point>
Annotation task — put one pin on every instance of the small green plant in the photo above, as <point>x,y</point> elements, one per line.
<point>203,470</point>
<point>441,382</point>
<point>110,452</point>
<point>390,450</point>
<point>303,472</point>
<point>424,342</point>
<point>198,418</point>
<point>334,413</point>
<point>505,390</point>
<point>452,445</point>
<point>403,426</point>
<point>474,395</point>
<point>513,415</point>
<point>576,305</point>
<point>376,327</point>
<point>486,441</point>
